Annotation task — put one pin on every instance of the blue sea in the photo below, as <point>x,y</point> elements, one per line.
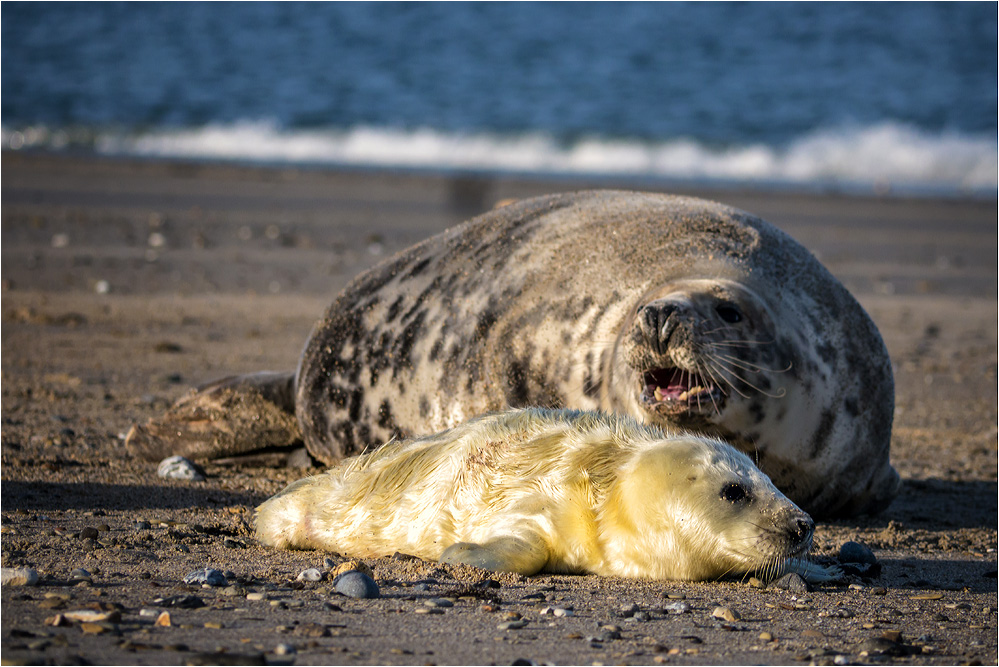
<point>885,97</point>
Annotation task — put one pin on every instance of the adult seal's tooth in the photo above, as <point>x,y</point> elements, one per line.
<point>551,490</point>
<point>617,301</point>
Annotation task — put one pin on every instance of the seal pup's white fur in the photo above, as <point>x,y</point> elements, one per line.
<point>559,491</point>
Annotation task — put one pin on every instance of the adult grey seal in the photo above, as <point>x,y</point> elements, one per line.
<point>676,311</point>
<point>556,491</point>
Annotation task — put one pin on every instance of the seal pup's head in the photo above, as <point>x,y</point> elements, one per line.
<point>696,508</point>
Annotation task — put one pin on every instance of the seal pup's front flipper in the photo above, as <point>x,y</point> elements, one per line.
<point>226,418</point>
<point>524,555</point>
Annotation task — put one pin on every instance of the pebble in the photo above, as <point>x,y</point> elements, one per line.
<point>855,552</point>
<point>92,616</point>
<point>285,649</point>
<point>429,610</point>
<point>177,467</point>
<point>80,575</point>
<point>677,608</point>
<point>766,636</point>
<point>438,602</point>
<point>312,574</point>
<point>356,584</point>
<point>256,596</point>
<point>560,612</point>
<point>141,525</point>
<point>726,614</point>
<point>163,619</point>
<point>512,625</point>
<point>18,576</point>
<point>792,581</point>
<point>88,533</point>
<point>207,575</point>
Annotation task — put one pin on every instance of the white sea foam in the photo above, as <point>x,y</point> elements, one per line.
<point>883,156</point>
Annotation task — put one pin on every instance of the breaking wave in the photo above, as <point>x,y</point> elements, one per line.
<point>883,157</point>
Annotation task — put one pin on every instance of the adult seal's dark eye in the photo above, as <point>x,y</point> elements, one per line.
<point>734,493</point>
<point>729,313</point>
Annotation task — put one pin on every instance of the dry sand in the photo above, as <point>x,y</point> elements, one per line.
<point>124,284</point>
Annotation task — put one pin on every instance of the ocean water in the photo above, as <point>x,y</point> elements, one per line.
<point>882,96</point>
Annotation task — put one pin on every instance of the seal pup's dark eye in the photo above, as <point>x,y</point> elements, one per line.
<point>734,493</point>
<point>729,313</point>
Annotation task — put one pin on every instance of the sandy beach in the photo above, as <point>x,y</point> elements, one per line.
<point>127,283</point>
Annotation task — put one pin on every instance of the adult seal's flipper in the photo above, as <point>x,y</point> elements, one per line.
<point>226,418</point>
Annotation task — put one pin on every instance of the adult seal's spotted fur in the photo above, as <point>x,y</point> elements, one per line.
<point>676,311</point>
<point>556,491</point>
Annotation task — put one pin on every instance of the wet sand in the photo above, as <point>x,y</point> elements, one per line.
<point>127,283</point>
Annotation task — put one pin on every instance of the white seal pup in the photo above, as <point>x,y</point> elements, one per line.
<point>555,491</point>
<point>677,311</point>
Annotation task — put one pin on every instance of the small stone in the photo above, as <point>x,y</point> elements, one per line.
<point>792,581</point>
<point>233,543</point>
<point>641,616</point>
<point>356,584</point>
<point>726,614</point>
<point>93,616</point>
<point>163,619</point>
<point>510,616</point>
<point>80,575</point>
<point>141,525</point>
<point>512,625</point>
<point>855,552</point>
<point>677,608</point>
<point>207,575</point>
<point>18,576</point>
<point>253,597</point>
<point>232,591</point>
<point>88,533</point>
<point>102,287</point>
<point>213,625</point>
<point>312,574</point>
<point>766,637</point>
<point>285,649</point>
<point>177,467</point>
<point>892,636</point>
<point>438,602</point>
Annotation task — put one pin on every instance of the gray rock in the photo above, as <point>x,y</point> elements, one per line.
<point>855,552</point>
<point>677,608</point>
<point>792,581</point>
<point>177,467</point>
<point>208,576</point>
<point>312,574</point>
<point>356,584</point>
<point>18,576</point>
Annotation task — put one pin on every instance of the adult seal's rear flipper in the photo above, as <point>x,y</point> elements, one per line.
<point>233,416</point>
